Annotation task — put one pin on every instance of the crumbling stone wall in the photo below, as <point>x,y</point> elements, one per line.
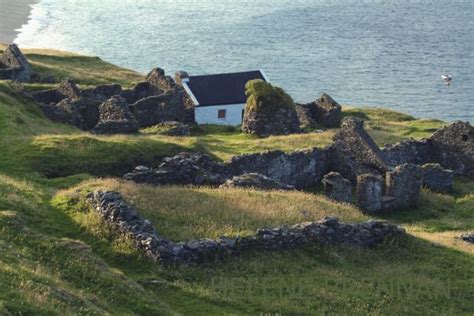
<point>324,111</point>
<point>355,140</point>
<point>14,65</point>
<point>452,147</point>
<point>329,231</point>
<point>115,118</point>
<point>301,169</point>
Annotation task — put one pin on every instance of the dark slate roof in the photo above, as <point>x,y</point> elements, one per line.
<point>222,89</point>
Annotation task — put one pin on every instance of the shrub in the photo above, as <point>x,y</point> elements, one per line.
<point>264,97</point>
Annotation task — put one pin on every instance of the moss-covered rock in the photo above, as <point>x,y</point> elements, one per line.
<point>269,110</point>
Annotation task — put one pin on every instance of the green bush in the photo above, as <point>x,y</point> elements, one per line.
<point>264,97</point>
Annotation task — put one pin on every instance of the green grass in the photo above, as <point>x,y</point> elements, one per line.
<point>57,259</point>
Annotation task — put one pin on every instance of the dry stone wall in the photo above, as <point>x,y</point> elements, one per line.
<point>329,231</point>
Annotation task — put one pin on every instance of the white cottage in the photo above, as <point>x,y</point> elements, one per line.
<point>220,99</point>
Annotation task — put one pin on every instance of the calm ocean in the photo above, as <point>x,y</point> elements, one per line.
<point>364,53</point>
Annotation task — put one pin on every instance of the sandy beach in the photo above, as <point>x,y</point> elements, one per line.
<point>13,14</point>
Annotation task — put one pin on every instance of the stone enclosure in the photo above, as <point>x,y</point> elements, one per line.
<point>329,231</point>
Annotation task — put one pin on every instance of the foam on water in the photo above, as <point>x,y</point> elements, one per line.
<point>365,53</point>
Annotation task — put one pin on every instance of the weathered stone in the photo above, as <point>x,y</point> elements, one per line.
<point>329,231</point>
<point>337,188</point>
<point>437,178</point>
<point>141,90</point>
<point>404,184</point>
<point>184,168</point>
<point>14,65</point>
<point>269,111</point>
<point>257,181</point>
<point>324,111</point>
<point>115,118</point>
<point>158,109</point>
<point>304,115</point>
<point>301,169</point>
<point>369,193</point>
<point>354,139</point>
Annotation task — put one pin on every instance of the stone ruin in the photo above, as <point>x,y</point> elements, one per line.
<point>269,111</point>
<point>322,112</point>
<point>151,102</point>
<point>115,117</point>
<point>14,65</point>
<point>329,231</point>
<point>452,147</point>
<point>353,160</point>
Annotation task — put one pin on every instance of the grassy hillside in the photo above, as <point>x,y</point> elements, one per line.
<point>56,259</point>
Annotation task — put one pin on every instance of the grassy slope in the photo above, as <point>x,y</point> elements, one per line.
<point>57,259</point>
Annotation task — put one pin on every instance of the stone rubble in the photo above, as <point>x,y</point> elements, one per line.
<point>328,231</point>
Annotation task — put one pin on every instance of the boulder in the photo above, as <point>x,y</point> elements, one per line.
<point>157,109</point>
<point>324,111</point>
<point>437,178</point>
<point>369,193</point>
<point>337,188</point>
<point>184,168</point>
<point>404,185</point>
<point>115,118</point>
<point>354,140</point>
<point>257,181</point>
<point>269,111</point>
<point>14,65</point>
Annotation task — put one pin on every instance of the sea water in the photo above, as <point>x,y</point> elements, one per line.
<point>363,53</point>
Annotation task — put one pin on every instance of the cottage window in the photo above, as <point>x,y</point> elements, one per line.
<point>221,114</point>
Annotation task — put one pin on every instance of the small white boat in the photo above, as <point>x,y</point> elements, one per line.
<point>446,78</point>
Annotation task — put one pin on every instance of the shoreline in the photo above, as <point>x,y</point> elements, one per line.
<point>13,14</point>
